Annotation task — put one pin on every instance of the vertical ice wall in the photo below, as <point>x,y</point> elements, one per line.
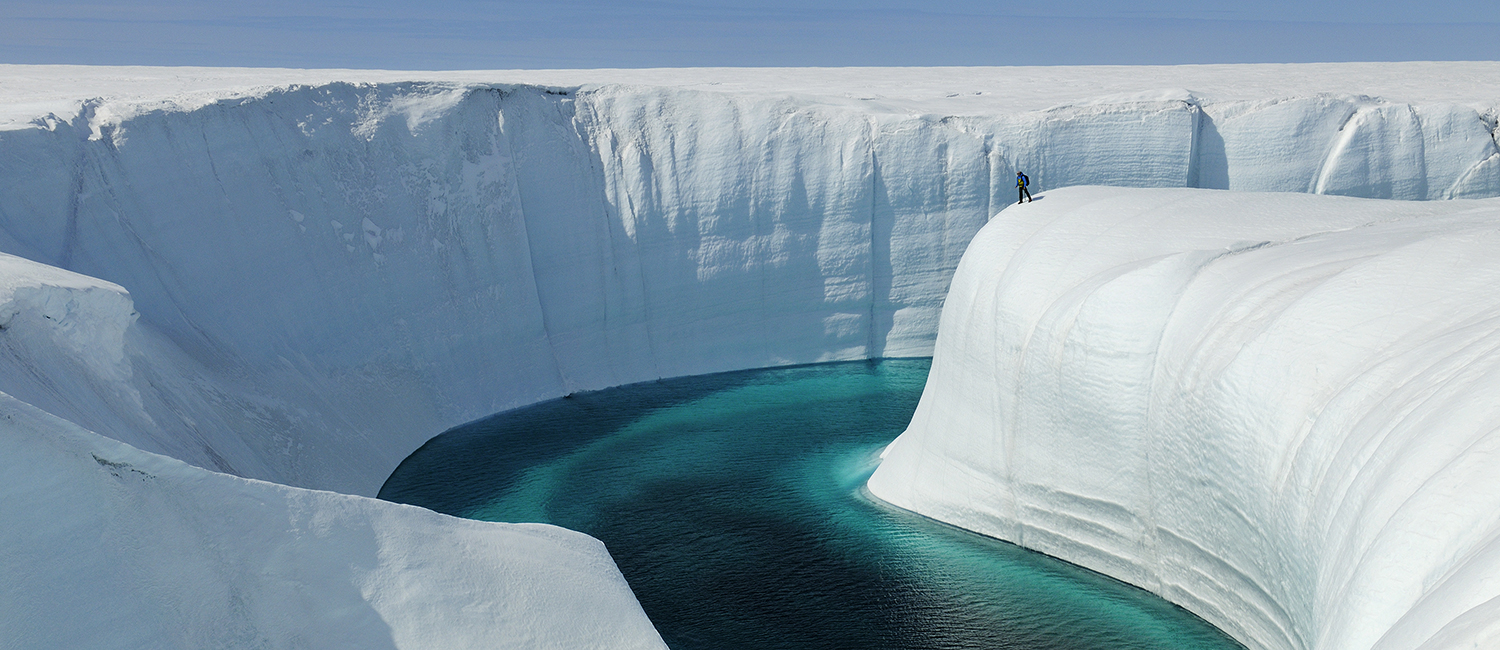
<point>1275,410</point>
<point>328,275</point>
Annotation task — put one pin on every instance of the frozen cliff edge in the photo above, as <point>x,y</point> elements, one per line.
<point>330,272</point>
<point>107,546</point>
<point>1276,410</point>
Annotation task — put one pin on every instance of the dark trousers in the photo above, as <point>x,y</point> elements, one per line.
<point>1022,191</point>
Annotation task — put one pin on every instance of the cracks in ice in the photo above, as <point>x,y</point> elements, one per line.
<point>120,470</point>
<point>500,138</point>
<point>1340,144</point>
<point>214,168</point>
<point>82,129</point>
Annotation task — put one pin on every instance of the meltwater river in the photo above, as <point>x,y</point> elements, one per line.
<point>734,506</point>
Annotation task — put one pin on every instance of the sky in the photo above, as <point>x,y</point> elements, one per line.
<point>501,34</point>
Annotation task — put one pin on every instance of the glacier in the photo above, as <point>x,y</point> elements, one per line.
<point>1273,409</point>
<point>296,277</point>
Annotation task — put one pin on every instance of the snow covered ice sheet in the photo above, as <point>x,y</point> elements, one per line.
<point>1277,410</point>
<point>304,274</point>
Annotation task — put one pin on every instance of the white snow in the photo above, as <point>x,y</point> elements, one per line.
<point>106,546</point>
<point>32,91</point>
<point>493,239</point>
<point>1274,409</point>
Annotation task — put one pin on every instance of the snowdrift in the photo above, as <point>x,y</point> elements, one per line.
<point>300,276</point>
<point>1274,409</point>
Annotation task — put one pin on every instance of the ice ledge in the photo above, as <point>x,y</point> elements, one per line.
<point>74,315</point>
<point>1275,410</point>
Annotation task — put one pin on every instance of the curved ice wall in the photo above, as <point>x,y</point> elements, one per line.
<point>1277,410</point>
<point>303,283</point>
<point>327,275</point>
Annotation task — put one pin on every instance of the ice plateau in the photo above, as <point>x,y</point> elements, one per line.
<point>298,276</point>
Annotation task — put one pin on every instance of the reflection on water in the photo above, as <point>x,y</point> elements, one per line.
<point>733,505</point>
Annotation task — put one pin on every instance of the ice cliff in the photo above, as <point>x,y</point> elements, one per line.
<point>329,274</point>
<point>1274,409</point>
<point>326,268</point>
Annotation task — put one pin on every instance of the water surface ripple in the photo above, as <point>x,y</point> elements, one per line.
<point>733,504</point>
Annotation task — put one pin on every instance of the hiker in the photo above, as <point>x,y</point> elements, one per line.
<point>1021,183</point>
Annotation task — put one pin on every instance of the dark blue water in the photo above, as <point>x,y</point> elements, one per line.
<point>733,504</point>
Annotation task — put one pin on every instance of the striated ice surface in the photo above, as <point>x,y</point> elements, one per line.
<point>298,276</point>
<point>1274,409</point>
<point>331,266</point>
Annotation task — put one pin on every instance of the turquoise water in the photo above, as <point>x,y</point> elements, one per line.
<point>734,506</point>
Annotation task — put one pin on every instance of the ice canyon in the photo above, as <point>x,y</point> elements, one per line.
<point>232,300</point>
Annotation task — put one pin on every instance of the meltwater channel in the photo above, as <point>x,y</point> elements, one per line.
<point>734,506</point>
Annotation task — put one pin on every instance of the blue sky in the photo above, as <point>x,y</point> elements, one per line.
<point>479,34</point>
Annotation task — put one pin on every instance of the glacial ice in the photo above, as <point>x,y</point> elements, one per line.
<point>299,276</point>
<point>337,271</point>
<point>1276,410</point>
<point>106,546</point>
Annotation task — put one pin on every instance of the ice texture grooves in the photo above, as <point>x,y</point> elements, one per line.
<point>1274,409</point>
<point>328,273</point>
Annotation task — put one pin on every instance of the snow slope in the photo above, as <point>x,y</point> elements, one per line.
<point>107,546</point>
<point>1274,409</point>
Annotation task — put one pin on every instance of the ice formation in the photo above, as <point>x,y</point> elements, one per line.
<point>107,546</point>
<point>325,268</point>
<point>1274,409</point>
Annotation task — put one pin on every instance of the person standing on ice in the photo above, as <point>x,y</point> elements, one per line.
<point>1021,183</point>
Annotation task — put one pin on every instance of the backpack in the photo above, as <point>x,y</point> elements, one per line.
<point>1022,181</point>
